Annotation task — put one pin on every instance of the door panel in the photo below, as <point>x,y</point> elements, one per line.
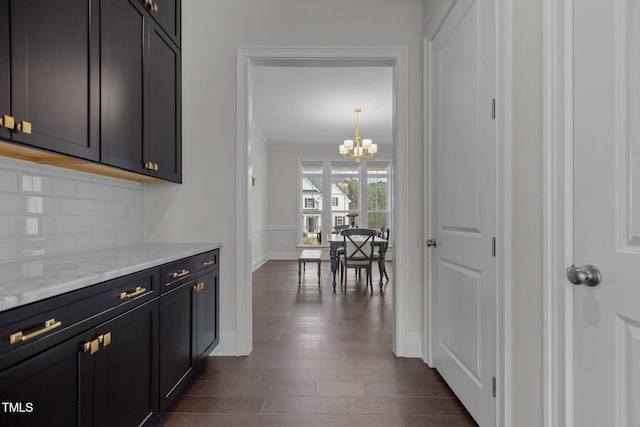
<point>55,74</point>
<point>607,212</point>
<point>123,122</point>
<point>463,210</point>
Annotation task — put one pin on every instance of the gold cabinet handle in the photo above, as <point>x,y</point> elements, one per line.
<point>155,166</point>
<point>137,291</point>
<point>91,346</point>
<point>24,127</point>
<point>105,339</point>
<point>180,273</point>
<point>198,286</point>
<point>48,325</point>
<point>8,121</point>
<point>209,263</point>
<point>151,5</point>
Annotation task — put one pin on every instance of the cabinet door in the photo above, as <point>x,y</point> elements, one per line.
<point>55,74</point>
<point>126,367</point>
<point>177,346</point>
<point>167,14</point>
<point>5,66</point>
<point>207,316</point>
<point>44,389</point>
<point>164,143</point>
<point>123,88</point>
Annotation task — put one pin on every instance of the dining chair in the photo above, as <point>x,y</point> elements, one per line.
<point>358,244</point>
<point>379,256</point>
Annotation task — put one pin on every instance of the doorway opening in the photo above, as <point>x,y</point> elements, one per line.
<point>248,59</point>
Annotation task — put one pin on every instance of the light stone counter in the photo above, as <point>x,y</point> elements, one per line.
<point>34,280</point>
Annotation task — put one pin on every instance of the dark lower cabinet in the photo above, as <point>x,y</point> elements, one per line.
<point>189,331</point>
<point>44,390</point>
<point>104,377</point>
<point>116,364</point>
<point>177,358</point>
<point>207,314</point>
<point>125,371</point>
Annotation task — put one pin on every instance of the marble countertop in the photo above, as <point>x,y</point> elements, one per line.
<point>25,282</point>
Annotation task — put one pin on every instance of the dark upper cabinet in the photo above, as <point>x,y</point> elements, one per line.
<point>123,84</point>
<point>5,67</point>
<point>167,14</point>
<point>164,145</point>
<point>50,75</point>
<point>140,105</point>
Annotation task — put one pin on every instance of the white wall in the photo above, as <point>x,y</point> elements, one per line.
<point>203,207</point>
<point>46,211</point>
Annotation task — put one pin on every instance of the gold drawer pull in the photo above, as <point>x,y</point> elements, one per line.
<point>180,273</point>
<point>209,263</point>
<point>198,286</point>
<point>48,325</point>
<point>8,121</point>
<point>138,290</point>
<point>24,127</point>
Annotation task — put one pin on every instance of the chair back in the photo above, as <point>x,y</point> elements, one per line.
<point>358,244</point>
<point>384,232</point>
<point>339,228</point>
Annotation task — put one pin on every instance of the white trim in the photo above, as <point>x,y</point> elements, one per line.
<point>504,201</point>
<point>244,296</point>
<point>441,15</point>
<point>396,57</point>
<point>557,212</point>
<point>504,277</point>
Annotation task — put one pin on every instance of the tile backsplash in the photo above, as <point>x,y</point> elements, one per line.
<point>46,210</point>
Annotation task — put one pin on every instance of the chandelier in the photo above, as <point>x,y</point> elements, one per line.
<point>366,150</point>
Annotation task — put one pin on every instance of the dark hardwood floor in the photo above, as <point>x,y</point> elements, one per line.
<point>319,359</point>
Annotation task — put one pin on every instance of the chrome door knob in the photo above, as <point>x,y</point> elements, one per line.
<point>586,275</point>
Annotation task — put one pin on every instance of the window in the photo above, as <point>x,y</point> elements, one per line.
<point>362,189</point>
<point>311,185</point>
<point>377,195</point>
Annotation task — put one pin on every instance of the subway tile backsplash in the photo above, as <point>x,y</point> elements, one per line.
<point>46,210</point>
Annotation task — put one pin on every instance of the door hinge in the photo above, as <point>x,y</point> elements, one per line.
<point>493,247</point>
<point>493,108</point>
<point>494,386</point>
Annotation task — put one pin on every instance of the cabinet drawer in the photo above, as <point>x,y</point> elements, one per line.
<point>173,273</point>
<point>32,328</point>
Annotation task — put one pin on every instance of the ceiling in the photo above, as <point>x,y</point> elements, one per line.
<point>313,106</point>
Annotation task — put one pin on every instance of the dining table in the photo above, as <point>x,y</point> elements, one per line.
<point>336,241</point>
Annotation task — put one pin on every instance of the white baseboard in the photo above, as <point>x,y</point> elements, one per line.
<point>257,263</point>
<point>415,345</point>
<point>227,345</point>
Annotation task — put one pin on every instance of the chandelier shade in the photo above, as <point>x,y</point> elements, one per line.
<point>351,148</point>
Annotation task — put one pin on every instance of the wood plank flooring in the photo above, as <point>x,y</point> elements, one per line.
<point>319,359</point>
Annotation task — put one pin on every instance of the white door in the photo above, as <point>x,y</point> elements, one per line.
<point>606,329</point>
<point>463,205</point>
